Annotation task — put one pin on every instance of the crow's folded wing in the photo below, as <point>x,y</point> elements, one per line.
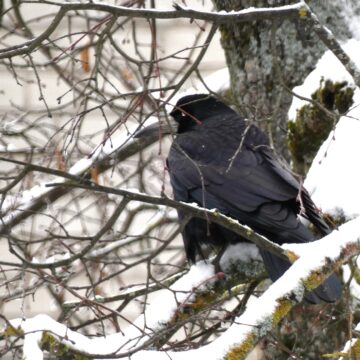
<point>246,183</point>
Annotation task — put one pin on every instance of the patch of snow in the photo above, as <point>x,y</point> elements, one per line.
<point>244,252</point>
<point>349,277</point>
<point>194,205</point>
<point>57,257</point>
<point>166,303</point>
<point>11,148</point>
<point>350,343</point>
<point>329,246</point>
<point>22,201</point>
<point>334,177</point>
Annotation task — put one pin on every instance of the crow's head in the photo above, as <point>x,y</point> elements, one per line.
<point>190,111</point>
<point>193,110</point>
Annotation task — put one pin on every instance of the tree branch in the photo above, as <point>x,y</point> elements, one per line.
<point>29,208</point>
<point>179,12</point>
<point>212,215</point>
<point>330,41</point>
<point>318,260</point>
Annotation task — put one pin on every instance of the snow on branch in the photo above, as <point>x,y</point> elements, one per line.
<point>317,261</point>
<point>298,10</point>
<point>249,14</point>
<point>38,329</point>
<point>212,215</point>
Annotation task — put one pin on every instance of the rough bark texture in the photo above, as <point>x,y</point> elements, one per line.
<point>255,83</point>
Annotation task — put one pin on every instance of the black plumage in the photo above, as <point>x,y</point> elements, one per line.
<point>218,161</point>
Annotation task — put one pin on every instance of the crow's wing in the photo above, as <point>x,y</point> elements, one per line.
<point>244,182</point>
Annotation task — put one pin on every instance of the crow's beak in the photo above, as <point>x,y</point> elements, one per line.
<point>159,128</point>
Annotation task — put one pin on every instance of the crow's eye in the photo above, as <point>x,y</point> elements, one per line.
<point>183,114</point>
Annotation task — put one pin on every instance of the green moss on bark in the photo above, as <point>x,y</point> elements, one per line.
<point>313,125</point>
<point>59,350</point>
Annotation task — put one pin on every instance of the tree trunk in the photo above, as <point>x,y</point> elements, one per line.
<point>256,78</point>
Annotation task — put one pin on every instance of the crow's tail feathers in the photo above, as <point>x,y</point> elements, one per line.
<point>329,291</point>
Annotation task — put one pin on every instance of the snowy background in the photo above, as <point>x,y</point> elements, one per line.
<point>333,181</point>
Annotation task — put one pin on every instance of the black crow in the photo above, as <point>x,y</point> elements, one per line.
<point>218,160</point>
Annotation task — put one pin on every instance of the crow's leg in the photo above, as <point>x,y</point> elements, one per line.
<point>218,257</point>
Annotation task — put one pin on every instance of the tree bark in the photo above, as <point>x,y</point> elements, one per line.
<point>256,79</point>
